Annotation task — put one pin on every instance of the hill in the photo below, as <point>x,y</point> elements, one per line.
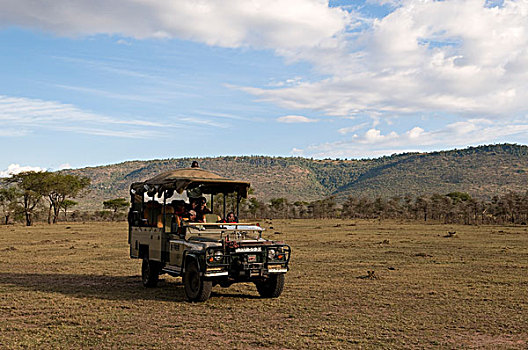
<point>481,171</point>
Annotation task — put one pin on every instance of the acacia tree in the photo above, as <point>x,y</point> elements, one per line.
<point>115,204</point>
<point>66,204</point>
<point>34,186</point>
<point>349,207</point>
<point>329,206</point>
<point>422,206</point>
<point>253,206</point>
<point>59,188</point>
<point>279,207</point>
<point>8,201</point>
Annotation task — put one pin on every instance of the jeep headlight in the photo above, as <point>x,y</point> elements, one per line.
<point>271,254</point>
<point>218,255</point>
<point>214,255</point>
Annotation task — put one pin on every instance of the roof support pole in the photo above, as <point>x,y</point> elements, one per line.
<point>224,205</point>
<point>238,203</point>
<point>164,210</point>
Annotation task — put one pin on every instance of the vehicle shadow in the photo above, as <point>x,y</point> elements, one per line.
<point>94,286</point>
<point>102,286</point>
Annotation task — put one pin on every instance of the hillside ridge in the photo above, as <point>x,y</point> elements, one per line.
<point>482,171</point>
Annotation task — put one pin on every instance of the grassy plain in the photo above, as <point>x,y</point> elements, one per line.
<point>73,286</point>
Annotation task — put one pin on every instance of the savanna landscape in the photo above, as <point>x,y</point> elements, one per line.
<point>353,284</point>
<point>384,141</point>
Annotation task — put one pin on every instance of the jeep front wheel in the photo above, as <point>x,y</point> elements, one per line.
<point>149,273</point>
<point>271,287</point>
<point>196,288</point>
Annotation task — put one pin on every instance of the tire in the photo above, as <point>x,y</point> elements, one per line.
<point>272,287</point>
<point>149,273</point>
<point>196,288</point>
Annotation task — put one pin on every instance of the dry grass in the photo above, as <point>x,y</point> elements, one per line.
<point>73,286</point>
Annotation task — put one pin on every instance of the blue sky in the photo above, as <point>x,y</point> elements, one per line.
<point>95,82</point>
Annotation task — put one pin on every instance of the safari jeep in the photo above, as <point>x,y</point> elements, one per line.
<point>206,253</point>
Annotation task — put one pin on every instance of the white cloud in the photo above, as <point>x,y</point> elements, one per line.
<point>17,112</point>
<point>112,95</point>
<point>295,119</point>
<point>351,129</point>
<point>14,169</point>
<point>461,57</point>
<point>297,152</point>
<point>464,58</point>
<point>64,166</point>
<point>287,82</point>
<point>458,134</point>
<point>131,133</point>
<point>454,56</point>
<point>14,132</point>
<point>229,23</point>
<point>201,121</point>
<point>224,115</point>
<point>20,116</point>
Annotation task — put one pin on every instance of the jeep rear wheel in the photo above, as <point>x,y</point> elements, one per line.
<point>271,287</point>
<point>196,288</point>
<point>149,273</point>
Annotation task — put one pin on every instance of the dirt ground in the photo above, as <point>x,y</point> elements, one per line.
<point>74,286</point>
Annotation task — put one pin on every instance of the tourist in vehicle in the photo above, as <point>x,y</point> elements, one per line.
<point>190,216</point>
<point>202,207</point>
<point>230,218</point>
<point>179,207</point>
<point>194,210</point>
<point>203,253</point>
<point>151,212</point>
<point>194,204</point>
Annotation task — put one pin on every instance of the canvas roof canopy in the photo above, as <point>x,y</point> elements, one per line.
<point>180,180</point>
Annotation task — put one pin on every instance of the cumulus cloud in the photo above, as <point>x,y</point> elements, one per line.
<point>456,56</point>
<point>228,23</point>
<point>295,119</point>
<point>14,169</point>
<point>375,143</point>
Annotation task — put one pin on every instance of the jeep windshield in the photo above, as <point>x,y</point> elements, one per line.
<point>229,231</point>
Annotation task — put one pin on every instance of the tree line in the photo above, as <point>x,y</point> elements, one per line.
<point>23,194</point>
<point>451,208</point>
<point>45,195</point>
